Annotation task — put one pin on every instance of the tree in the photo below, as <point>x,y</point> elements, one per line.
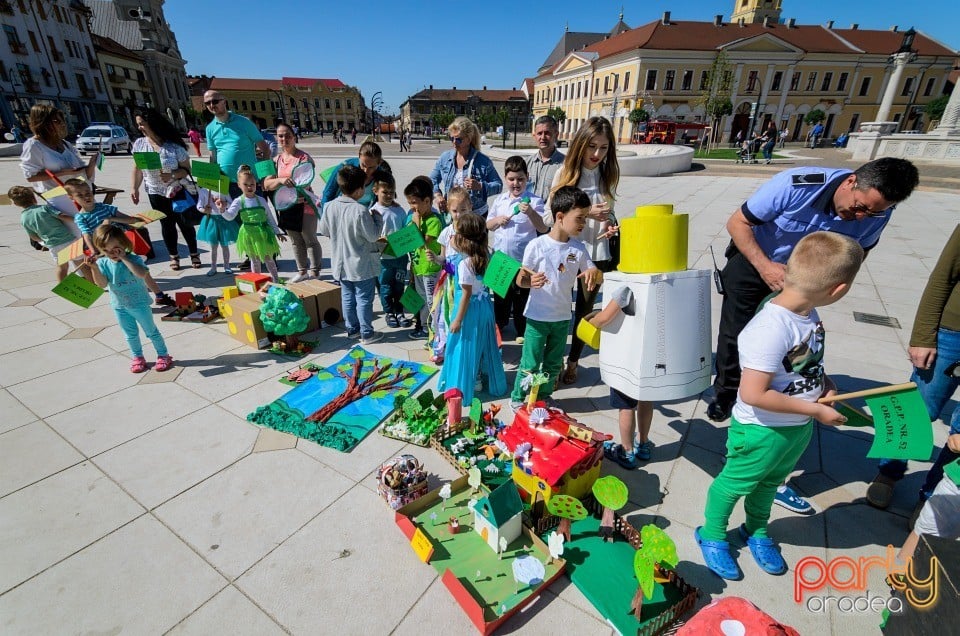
<point>638,116</point>
<point>716,92</point>
<point>568,509</point>
<point>557,113</point>
<point>657,550</point>
<point>611,493</point>
<point>443,117</point>
<point>282,313</point>
<point>934,108</point>
<point>377,381</point>
<point>814,117</point>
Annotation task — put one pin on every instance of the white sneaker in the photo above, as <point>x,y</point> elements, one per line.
<point>296,278</point>
<point>227,269</point>
<point>373,337</point>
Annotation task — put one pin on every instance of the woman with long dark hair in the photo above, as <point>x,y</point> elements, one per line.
<point>162,185</point>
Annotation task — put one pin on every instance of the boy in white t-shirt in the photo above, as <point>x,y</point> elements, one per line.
<point>551,265</point>
<point>781,353</point>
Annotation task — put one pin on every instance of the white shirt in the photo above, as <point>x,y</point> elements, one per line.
<point>170,157</point>
<point>790,346</point>
<point>561,262</point>
<point>37,157</point>
<point>513,238</point>
<point>446,239</point>
<point>590,184</point>
<point>466,277</point>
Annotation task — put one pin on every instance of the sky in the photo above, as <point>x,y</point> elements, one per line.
<point>401,47</point>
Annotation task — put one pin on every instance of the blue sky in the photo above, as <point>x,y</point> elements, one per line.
<point>401,47</point>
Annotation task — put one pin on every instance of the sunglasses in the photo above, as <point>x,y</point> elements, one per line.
<point>456,140</point>
<point>860,208</point>
<point>212,102</point>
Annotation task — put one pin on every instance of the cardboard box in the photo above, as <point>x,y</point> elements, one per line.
<point>309,297</point>
<point>243,321</point>
<point>329,307</point>
<point>251,283</point>
<point>230,292</point>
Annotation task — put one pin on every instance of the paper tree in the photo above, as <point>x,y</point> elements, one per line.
<point>555,546</point>
<point>282,313</point>
<point>569,509</point>
<point>611,493</point>
<point>531,382</point>
<point>445,494</point>
<point>657,548</point>
<point>503,547</point>
<point>527,570</point>
<point>377,382</point>
<point>474,478</point>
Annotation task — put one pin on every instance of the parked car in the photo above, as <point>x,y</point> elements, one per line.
<point>110,138</point>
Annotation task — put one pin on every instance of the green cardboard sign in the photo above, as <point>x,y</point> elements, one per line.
<point>325,175</point>
<point>405,240</point>
<point>902,427</point>
<point>78,290</point>
<point>147,160</point>
<point>265,168</point>
<point>855,417</point>
<point>205,170</point>
<point>952,471</point>
<point>411,300</point>
<point>221,185</point>
<point>501,271</point>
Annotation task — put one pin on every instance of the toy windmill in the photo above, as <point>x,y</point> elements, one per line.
<point>287,196</point>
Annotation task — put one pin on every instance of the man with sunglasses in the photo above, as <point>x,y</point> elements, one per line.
<point>233,139</point>
<point>765,229</point>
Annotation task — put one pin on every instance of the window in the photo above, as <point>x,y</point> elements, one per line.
<point>56,13</point>
<point>117,93</point>
<point>907,87</point>
<point>864,87</point>
<point>827,80</point>
<point>687,82</point>
<point>579,88</point>
<point>326,103</point>
<point>606,84</point>
<point>111,70</point>
<point>842,82</point>
<point>336,104</point>
<point>704,80</point>
<point>626,81</point>
<point>263,105</point>
<point>96,82</point>
<point>33,41</point>
<point>752,80</point>
<point>668,80</point>
<point>3,72</point>
<point>928,90</point>
<point>243,104</point>
<point>795,81</point>
<point>596,86</point>
<point>63,77</point>
<point>811,80</point>
<point>126,73</point>
<point>235,104</point>
<point>43,14</point>
<point>81,81</point>
<point>854,121</point>
<point>651,80</point>
<point>777,81</point>
<point>316,102</point>
<point>616,81</point>
<point>349,104</point>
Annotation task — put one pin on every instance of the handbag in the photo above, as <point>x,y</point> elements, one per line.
<point>614,244</point>
<point>186,204</point>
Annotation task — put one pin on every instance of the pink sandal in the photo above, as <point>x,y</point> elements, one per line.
<point>163,363</point>
<point>138,365</point>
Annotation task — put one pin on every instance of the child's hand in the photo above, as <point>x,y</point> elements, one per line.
<point>219,203</point>
<point>953,442</point>
<point>592,278</point>
<point>538,280</point>
<point>455,327</point>
<point>433,258</point>
<point>828,415</point>
<point>610,232</point>
<point>589,317</point>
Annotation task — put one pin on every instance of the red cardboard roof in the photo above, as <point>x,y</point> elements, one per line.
<point>553,453</point>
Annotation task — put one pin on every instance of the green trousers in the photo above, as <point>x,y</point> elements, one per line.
<point>543,344</point>
<point>759,459</point>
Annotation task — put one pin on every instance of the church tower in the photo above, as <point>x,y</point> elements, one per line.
<point>755,11</point>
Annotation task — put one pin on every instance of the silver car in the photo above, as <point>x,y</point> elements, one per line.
<point>105,137</point>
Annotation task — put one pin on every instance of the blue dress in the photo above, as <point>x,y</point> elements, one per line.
<point>474,347</point>
<point>216,230</point>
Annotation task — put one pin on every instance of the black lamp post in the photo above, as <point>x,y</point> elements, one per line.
<point>516,114</point>
<point>283,113</point>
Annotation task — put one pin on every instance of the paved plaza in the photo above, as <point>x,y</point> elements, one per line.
<point>147,504</point>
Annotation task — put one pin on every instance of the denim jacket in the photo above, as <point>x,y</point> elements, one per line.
<point>482,169</point>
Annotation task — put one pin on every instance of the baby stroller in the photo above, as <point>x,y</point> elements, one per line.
<point>746,153</point>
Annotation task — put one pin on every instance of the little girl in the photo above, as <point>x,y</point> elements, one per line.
<point>472,342</point>
<point>216,231</point>
<point>441,313</point>
<point>259,231</point>
<point>124,273</point>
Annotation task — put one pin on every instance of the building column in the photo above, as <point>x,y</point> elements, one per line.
<point>784,91</point>
<point>899,63</point>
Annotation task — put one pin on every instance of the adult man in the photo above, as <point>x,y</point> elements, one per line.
<point>815,135</point>
<point>548,159</point>
<point>233,139</point>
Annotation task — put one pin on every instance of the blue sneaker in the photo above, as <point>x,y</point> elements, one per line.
<point>642,450</point>
<point>616,452</point>
<point>787,497</point>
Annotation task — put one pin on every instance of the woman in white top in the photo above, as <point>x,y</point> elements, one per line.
<point>47,150</point>
<point>591,165</point>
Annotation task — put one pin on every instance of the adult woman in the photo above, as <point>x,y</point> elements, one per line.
<point>300,220</point>
<point>464,165</point>
<point>369,159</point>
<point>48,151</point>
<point>160,136</point>
<point>591,165</point>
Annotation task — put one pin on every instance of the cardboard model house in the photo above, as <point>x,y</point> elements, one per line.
<point>499,515</point>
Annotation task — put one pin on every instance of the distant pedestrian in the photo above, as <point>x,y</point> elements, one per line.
<point>409,141</point>
<point>403,141</point>
<point>194,136</point>
<point>353,136</point>
<point>783,136</point>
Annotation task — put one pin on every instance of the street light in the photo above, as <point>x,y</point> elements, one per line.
<point>375,102</point>
<point>516,114</point>
<point>283,113</point>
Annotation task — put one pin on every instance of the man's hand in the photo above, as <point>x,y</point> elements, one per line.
<point>772,274</point>
<point>440,201</point>
<point>922,357</point>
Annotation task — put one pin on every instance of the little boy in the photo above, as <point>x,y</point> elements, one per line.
<point>425,260</point>
<point>46,224</point>
<point>551,265</point>
<point>940,514</point>
<point>353,231</point>
<point>92,213</point>
<point>393,269</point>
<point>515,218</point>
<point>781,353</point>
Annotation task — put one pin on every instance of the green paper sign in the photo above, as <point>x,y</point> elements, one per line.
<point>902,427</point>
<point>147,160</point>
<point>221,185</point>
<point>476,411</point>
<point>501,271</point>
<point>205,170</point>
<point>405,240</point>
<point>855,417</point>
<point>78,290</point>
<point>411,300</point>
<point>325,175</point>
<point>265,168</point>
<point>952,471</point>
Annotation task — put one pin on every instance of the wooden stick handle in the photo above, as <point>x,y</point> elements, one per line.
<point>883,390</point>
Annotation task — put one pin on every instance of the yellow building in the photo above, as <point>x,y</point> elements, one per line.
<point>126,78</point>
<point>782,69</point>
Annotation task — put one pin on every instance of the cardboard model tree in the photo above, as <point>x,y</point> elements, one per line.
<point>657,550</point>
<point>569,509</point>
<point>376,382</point>
<point>282,313</point>
<point>532,382</point>
<point>611,493</point>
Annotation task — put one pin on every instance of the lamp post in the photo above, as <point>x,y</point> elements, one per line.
<point>375,102</point>
<point>516,114</point>
<point>283,113</point>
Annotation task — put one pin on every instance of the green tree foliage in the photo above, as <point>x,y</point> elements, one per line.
<point>557,113</point>
<point>814,117</point>
<point>934,108</point>
<point>716,93</point>
<point>638,116</point>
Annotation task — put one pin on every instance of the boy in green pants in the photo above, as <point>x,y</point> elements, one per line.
<point>781,354</point>
<point>551,265</point>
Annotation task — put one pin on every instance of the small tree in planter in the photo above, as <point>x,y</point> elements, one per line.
<point>611,493</point>
<point>638,116</point>
<point>282,313</point>
<point>569,509</point>
<point>656,551</point>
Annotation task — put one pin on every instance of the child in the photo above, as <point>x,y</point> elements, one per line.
<point>124,272</point>
<point>216,231</point>
<point>258,234</point>
<point>552,263</point>
<point>46,224</point>
<point>516,217</point>
<point>458,203</point>
<point>354,232</point>
<point>91,214</point>
<point>940,515</point>
<point>781,353</point>
<point>425,262</point>
<point>393,269</point>
<point>472,341</point>
<point>635,416</point>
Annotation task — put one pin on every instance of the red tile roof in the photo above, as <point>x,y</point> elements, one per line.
<point>461,94</point>
<point>238,84</point>
<point>306,82</point>
<point>887,42</point>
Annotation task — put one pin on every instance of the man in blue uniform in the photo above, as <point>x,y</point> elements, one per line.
<point>766,228</point>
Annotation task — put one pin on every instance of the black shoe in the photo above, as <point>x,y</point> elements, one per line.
<point>719,410</point>
<point>245,265</point>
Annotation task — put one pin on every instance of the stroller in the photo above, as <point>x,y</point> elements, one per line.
<point>747,152</point>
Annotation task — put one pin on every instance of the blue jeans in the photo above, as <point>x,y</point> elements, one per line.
<point>131,320</point>
<point>936,388</point>
<point>393,280</point>
<point>357,297</point>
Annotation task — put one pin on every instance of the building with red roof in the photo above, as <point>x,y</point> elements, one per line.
<point>487,108</point>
